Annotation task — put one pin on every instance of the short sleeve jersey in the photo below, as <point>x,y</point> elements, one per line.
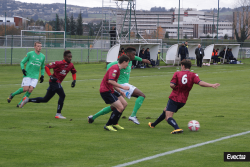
<point>113,73</point>
<point>34,62</point>
<point>184,81</point>
<point>61,69</point>
<point>125,73</point>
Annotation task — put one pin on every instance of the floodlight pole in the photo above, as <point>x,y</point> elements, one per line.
<point>5,31</point>
<point>130,6</point>
<point>178,21</point>
<point>213,28</point>
<point>218,19</point>
<point>5,24</point>
<point>65,29</point>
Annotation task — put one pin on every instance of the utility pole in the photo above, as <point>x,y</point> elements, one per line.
<point>218,19</point>
<point>5,24</point>
<point>213,28</point>
<point>178,21</point>
<point>65,29</point>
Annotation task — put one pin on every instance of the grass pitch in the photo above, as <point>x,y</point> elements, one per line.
<point>31,136</point>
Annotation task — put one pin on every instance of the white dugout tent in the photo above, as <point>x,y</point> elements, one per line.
<point>209,49</point>
<point>172,53</point>
<point>114,51</point>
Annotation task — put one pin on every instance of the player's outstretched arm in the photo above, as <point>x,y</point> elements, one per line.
<point>205,84</point>
<point>115,84</point>
<point>146,61</point>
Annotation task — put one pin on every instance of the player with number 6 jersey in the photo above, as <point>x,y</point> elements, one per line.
<point>181,83</point>
<point>61,68</point>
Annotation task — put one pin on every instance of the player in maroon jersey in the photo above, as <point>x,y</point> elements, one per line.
<point>117,102</point>
<point>181,83</point>
<point>61,68</point>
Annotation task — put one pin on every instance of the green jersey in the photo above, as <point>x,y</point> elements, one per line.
<point>124,73</point>
<point>34,62</point>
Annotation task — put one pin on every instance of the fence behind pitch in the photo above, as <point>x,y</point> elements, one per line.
<point>80,55</point>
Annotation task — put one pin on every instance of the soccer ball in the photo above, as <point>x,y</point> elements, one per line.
<point>193,125</point>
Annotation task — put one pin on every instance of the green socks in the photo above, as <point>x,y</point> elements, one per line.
<point>138,104</point>
<point>27,94</point>
<point>20,90</point>
<point>102,112</point>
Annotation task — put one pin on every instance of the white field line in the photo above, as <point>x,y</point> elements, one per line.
<point>137,76</point>
<point>180,149</point>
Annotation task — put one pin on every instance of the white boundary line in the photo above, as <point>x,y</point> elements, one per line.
<point>180,149</point>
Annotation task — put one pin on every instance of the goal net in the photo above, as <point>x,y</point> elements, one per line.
<point>47,38</point>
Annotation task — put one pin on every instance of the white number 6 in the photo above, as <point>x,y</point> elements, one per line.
<point>184,79</point>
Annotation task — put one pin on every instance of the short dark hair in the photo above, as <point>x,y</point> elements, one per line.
<point>123,58</point>
<point>66,52</point>
<point>37,42</point>
<point>130,49</point>
<point>122,49</point>
<point>187,63</point>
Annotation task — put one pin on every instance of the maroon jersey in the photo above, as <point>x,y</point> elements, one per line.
<point>184,81</point>
<point>61,68</point>
<point>113,73</point>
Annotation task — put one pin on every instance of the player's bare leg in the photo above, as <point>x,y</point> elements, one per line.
<point>140,98</point>
<point>28,90</point>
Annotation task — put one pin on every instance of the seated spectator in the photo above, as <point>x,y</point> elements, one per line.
<point>222,53</point>
<point>147,55</point>
<point>120,54</point>
<point>215,56</point>
<point>122,50</point>
<point>231,56</point>
<point>227,54</point>
<point>142,55</point>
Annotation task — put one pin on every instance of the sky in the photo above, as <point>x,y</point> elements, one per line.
<point>147,4</point>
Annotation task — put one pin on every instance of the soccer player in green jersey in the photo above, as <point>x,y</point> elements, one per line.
<point>35,61</point>
<point>124,81</point>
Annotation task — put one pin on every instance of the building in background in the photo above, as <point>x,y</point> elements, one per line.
<point>15,20</point>
<point>192,24</point>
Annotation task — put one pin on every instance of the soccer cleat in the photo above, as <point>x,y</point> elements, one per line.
<point>25,100</point>
<point>109,128</point>
<point>117,126</point>
<point>90,119</point>
<point>10,98</point>
<point>59,116</point>
<point>149,124</point>
<point>177,131</point>
<point>134,119</point>
<point>17,105</point>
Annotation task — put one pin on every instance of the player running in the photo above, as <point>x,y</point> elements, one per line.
<point>116,101</point>
<point>124,81</point>
<point>61,68</point>
<point>181,83</point>
<point>35,61</point>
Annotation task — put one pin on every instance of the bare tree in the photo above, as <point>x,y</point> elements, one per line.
<point>241,19</point>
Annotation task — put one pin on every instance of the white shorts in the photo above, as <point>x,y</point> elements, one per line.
<point>29,82</point>
<point>129,92</point>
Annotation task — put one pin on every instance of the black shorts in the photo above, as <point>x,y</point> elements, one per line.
<point>53,86</point>
<point>109,97</point>
<point>174,106</point>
